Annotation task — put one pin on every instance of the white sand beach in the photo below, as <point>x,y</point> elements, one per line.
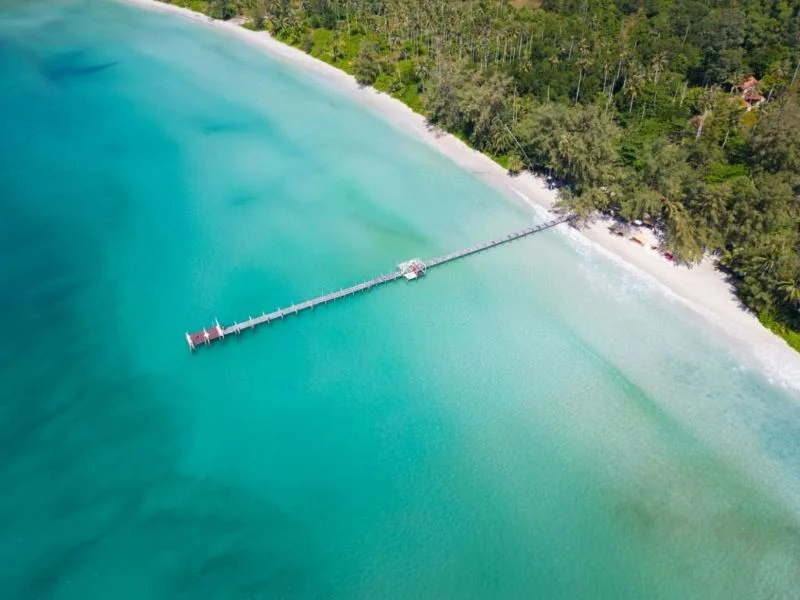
<point>701,288</point>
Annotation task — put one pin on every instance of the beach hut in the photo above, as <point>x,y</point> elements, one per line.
<point>750,94</point>
<point>638,238</point>
<point>748,84</point>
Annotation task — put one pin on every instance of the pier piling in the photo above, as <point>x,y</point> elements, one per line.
<point>409,270</point>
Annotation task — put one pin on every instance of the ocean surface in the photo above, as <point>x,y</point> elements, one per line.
<point>531,422</point>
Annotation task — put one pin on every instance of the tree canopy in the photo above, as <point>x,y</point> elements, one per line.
<point>682,111</point>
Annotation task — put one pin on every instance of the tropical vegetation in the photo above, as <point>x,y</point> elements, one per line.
<point>682,113</point>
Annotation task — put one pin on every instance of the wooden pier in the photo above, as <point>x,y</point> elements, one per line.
<point>408,270</point>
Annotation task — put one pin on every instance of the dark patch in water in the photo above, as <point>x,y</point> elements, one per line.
<point>245,199</point>
<point>248,122</point>
<point>88,453</point>
<point>72,64</point>
<point>215,128</point>
<point>50,570</point>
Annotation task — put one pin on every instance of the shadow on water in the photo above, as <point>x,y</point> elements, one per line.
<point>667,505</point>
<point>93,494</point>
<point>222,127</point>
<point>72,64</point>
<point>724,520</point>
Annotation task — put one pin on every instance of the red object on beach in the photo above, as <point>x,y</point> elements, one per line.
<point>668,256</point>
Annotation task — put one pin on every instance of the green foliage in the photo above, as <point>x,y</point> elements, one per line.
<point>366,67</point>
<point>514,164</point>
<point>321,43</point>
<point>792,336</point>
<point>383,83</point>
<point>411,97</point>
<point>721,172</point>
<point>776,140</point>
<point>575,143</point>
<point>634,105</point>
<point>195,5</point>
<point>472,102</point>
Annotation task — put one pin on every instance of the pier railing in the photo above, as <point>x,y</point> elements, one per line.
<point>218,332</point>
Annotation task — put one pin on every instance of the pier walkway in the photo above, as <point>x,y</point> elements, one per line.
<point>408,270</point>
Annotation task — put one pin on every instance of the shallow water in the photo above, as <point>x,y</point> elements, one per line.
<point>529,422</point>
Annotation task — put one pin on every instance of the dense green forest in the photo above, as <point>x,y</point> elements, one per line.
<point>679,111</point>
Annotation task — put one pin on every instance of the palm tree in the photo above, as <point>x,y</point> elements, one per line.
<point>768,258</point>
<point>422,69</point>
<point>790,290</point>
<point>582,63</point>
<point>658,64</point>
<point>338,49</point>
<point>681,230</point>
<point>735,80</point>
<point>706,103</point>
<point>775,77</point>
<point>635,84</point>
<point>622,58</point>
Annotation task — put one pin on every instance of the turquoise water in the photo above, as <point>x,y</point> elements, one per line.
<point>530,422</point>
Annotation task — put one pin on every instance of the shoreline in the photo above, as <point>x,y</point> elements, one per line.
<point>701,288</point>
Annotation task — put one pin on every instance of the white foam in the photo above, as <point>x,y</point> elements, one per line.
<point>778,362</point>
<point>716,302</point>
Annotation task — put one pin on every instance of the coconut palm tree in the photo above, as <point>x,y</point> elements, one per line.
<point>338,48</point>
<point>583,63</point>
<point>790,289</point>
<point>635,83</point>
<point>658,64</point>
<point>422,70</point>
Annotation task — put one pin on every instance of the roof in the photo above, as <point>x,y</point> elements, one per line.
<point>752,96</point>
<point>748,83</point>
